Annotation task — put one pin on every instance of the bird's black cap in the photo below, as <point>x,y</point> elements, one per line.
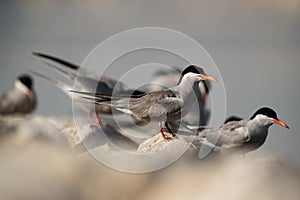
<point>194,69</point>
<point>265,111</point>
<point>26,80</point>
<point>197,70</point>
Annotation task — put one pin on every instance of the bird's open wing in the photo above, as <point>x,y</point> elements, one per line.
<point>54,62</point>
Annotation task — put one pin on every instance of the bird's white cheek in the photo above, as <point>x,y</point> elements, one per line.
<point>21,87</point>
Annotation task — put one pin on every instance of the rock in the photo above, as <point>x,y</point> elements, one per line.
<point>21,130</point>
<point>43,167</point>
<point>47,171</point>
<point>53,129</point>
<point>94,136</point>
<point>158,143</point>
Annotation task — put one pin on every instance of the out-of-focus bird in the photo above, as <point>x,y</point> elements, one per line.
<point>21,99</point>
<point>162,106</point>
<point>233,118</point>
<point>84,78</point>
<point>85,81</point>
<point>163,79</point>
<point>66,89</point>
<point>241,135</point>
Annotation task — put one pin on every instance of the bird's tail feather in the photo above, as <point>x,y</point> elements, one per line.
<point>101,99</point>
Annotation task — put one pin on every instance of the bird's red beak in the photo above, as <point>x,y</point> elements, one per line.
<point>207,77</point>
<point>280,123</point>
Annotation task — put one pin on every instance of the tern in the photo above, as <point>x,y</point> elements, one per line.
<point>162,106</point>
<point>244,135</point>
<point>86,81</point>
<point>21,99</point>
<point>200,114</point>
<point>167,78</point>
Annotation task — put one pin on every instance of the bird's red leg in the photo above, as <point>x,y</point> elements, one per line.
<point>163,134</point>
<point>91,118</point>
<point>98,118</point>
<point>169,129</point>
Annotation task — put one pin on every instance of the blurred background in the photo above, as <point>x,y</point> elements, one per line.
<point>255,44</point>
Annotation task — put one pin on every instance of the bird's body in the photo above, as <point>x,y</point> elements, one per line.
<point>242,135</point>
<point>199,115</point>
<point>169,104</point>
<point>162,106</point>
<point>21,99</point>
<point>237,135</point>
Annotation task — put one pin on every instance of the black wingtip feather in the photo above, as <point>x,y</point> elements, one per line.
<point>56,59</point>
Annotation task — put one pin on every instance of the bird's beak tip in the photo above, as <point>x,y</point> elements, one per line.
<point>208,77</point>
<point>281,123</point>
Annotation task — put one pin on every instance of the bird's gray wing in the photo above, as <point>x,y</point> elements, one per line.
<point>142,107</point>
<point>60,85</point>
<point>92,85</point>
<point>49,60</point>
<point>231,134</point>
<point>104,85</point>
<point>155,104</point>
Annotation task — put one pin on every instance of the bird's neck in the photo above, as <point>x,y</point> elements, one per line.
<point>258,127</point>
<point>187,90</point>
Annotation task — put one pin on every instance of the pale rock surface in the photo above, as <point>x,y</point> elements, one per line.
<point>37,163</point>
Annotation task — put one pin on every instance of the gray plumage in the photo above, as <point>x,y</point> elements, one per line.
<point>165,105</point>
<point>242,135</point>
<point>21,99</point>
<point>199,115</point>
<point>157,105</point>
<point>230,135</point>
<point>85,81</point>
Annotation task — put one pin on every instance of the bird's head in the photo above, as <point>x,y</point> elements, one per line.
<point>268,116</point>
<point>24,83</point>
<point>195,73</point>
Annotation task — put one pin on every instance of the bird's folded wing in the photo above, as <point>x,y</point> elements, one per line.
<point>154,104</point>
<point>232,134</point>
